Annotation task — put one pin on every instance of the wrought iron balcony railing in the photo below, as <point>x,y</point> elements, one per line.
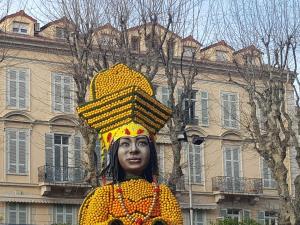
<point>54,174</point>
<point>191,120</point>
<point>237,185</point>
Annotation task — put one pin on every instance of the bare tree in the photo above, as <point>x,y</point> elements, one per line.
<point>269,72</point>
<point>5,6</point>
<point>157,24</point>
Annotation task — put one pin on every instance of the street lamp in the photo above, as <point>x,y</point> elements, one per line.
<point>196,140</point>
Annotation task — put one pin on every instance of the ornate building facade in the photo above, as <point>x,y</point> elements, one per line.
<point>41,177</point>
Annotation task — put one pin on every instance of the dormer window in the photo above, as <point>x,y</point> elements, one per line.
<point>61,32</point>
<point>106,40</point>
<point>135,44</point>
<point>171,47</point>
<point>221,56</point>
<point>188,51</point>
<point>249,59</point>
<point>21,28</point>
<point>152,42</point>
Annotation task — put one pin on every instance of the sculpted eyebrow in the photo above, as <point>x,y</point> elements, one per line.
<point>124,139</point>
<point>141,138</point>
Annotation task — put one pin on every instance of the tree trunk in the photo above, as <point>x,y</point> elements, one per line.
<point>287,213</point>
<point>176,174</point>
<point>90,139</point>
<point>297,200</point>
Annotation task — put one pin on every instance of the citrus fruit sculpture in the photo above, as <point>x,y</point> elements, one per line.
<point>123,110</point>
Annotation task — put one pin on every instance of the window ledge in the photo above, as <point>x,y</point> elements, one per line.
<point>17,174</point>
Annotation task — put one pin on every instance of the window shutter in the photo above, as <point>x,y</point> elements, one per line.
<point>157,90</point>
<point>233,111</point>
<point>12,88</point>
<point>186,217</point>
<point>290,102</point>
<point>49,145</point>
<point>59,214</point>
<point>246,214</point>
<point>57,93</point>
<point>77,158</point>
<point>204,108</point>
<point>49,153</point>
<point>192,163</point>
<point>228,163</point>
<point>162,160</point>
<point>23,140</point>
<point>226,118</point>
<point>223,213</point>
<point>236,164</point>
<point>12,213</point>
<point>22,214</point>
<point>261,217</point>
<point>197,163</point>
<point>165,96</point>
<point>98,154</point>
<point>22,89</point>
<point>77,151</point>
<point>179,93</point>
<point>67,94</point>
<point>265,173</point>
<point>11,138</point>
<point>69,214</point>
<point>185,150</point>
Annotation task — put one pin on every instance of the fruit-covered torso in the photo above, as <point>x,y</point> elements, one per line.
<point>130,201</point>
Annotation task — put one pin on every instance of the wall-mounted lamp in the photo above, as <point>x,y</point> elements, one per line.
<point>196,139</point>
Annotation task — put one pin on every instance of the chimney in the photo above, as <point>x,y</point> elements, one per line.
<point>37,27</point>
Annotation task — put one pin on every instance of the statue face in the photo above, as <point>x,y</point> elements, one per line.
<point>134,154</point>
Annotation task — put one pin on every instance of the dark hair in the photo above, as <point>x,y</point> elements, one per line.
<point>117,173</point>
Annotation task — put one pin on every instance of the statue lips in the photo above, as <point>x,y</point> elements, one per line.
<point>134,160</point>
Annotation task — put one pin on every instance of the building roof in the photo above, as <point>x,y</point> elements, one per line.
<point>107,26</point>
<point>63,19</point>
<point>249,48</point>
<point>192,39</point>
<point>157,24</point>
<point>20,13</point>
<point>222,42</point>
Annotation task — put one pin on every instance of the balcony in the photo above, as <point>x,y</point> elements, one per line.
<point>58,181</point>
<point>236,187</point>
<point>193,121</point>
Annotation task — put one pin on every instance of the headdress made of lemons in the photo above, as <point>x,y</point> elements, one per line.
<point>122,103</point>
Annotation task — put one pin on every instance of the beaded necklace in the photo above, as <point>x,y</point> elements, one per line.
<point>139,220</point>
